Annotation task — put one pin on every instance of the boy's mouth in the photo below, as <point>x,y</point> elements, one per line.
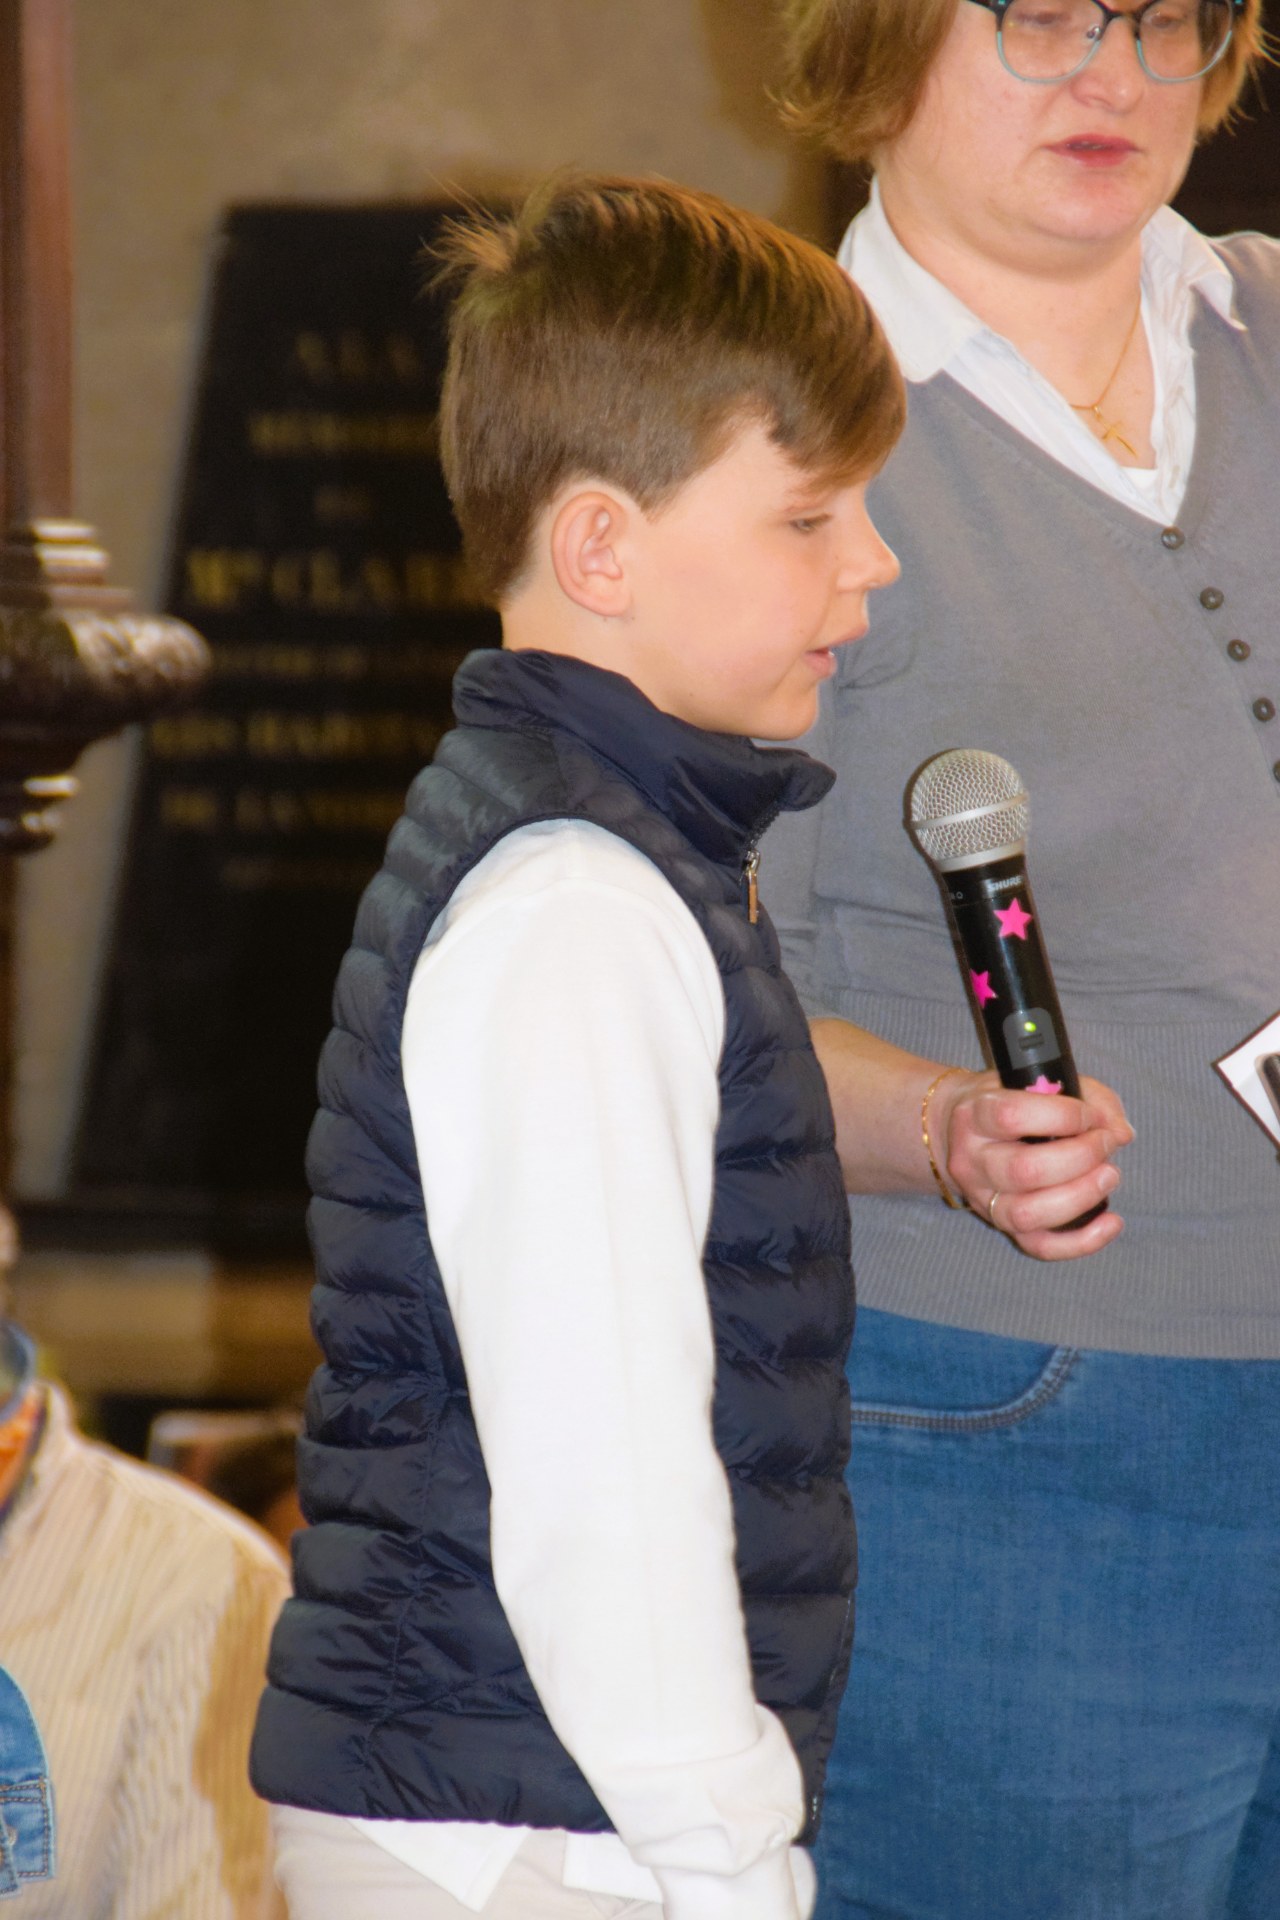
<point>823,659</point>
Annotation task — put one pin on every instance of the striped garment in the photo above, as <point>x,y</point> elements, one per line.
<point>134,1614</point>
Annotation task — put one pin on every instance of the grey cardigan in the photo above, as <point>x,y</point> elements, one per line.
<point>1132,676</point>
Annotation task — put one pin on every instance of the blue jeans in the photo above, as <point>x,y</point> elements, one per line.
<point>1065,1695</point>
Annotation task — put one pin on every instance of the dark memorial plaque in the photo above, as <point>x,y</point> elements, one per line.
<point>316,551</point>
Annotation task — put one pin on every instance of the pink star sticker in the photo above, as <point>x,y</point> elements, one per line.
<point>982,988</point>
<point>1014,920</point>
<point>1044,1085</point>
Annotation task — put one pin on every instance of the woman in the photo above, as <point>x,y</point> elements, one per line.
<point>1066,1686</point>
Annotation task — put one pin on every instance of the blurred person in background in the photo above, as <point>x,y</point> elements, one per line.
<point>249,1459</point>
<point>134,1619</point>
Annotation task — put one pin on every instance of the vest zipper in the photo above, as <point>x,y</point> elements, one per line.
<point>750,875</point>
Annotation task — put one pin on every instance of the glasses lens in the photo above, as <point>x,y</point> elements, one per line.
<point>1052,39</point>
<point>1182,39</point>
<point>1048,39</point>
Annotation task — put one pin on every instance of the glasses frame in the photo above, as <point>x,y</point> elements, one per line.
<point>1000,7</point>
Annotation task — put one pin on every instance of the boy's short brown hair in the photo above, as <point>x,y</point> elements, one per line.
<point>856,68</point>
<point>622,330</point>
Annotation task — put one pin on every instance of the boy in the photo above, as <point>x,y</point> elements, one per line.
<point>573,1614</point>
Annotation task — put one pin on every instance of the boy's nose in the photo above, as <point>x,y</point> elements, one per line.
<point>891,566</point>
<point>873,564</point>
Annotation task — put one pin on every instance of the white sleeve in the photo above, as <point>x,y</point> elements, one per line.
<point>560,1052</point>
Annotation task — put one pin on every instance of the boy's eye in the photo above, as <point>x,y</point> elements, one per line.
<point>809,523</point>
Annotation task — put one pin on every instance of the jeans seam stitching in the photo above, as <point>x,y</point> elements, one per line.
<point>981,1419</point>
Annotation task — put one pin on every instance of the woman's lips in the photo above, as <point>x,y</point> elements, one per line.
<point>1088,150</point>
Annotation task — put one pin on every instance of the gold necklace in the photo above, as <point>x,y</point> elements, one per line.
<point>1110,429</point>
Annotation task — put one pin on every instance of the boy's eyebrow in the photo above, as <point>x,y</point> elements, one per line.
<point>806,494</point>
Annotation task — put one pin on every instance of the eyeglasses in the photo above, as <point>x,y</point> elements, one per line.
<point>1047,40</point>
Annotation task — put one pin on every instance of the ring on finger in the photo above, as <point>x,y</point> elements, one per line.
<point>991,1211</point>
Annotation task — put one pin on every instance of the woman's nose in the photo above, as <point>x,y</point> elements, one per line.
<point>1115,75</point>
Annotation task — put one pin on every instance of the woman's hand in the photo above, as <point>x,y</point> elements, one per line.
<point>1026,1162</point>
<point>1031,1162</point>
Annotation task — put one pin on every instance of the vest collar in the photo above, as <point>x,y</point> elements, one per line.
<point>719,790</point>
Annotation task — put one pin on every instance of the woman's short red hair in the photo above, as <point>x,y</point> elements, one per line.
<point>856,68</point>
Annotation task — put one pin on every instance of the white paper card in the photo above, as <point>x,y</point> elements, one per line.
<point>1240,1071</point>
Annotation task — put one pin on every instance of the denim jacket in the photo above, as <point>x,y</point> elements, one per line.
<point>26,1791</point>
<point>26,1795</point>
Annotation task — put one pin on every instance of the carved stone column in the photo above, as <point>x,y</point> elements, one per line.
<point>75,663</point>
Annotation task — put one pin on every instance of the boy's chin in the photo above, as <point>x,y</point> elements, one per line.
<point>777,729</point>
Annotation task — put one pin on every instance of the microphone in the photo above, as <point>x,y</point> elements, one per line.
<point>969,817</point>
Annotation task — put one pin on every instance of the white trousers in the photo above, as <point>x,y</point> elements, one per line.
<point>328,1870</point>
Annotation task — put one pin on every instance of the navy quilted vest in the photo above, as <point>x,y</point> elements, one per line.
<point>395,1688</point>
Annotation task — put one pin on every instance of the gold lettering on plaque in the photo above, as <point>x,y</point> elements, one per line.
<point>190,809</point>
<point>351,357</point>
<point>338,436</point>
<point>258,873</point>
<point>271,735</point>
<point>284,810</point>
<point>223,576</point>
<point>318,580</point>
<point>296,661</point>
<point>194,736</point>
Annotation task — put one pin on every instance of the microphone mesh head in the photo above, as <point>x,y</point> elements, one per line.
<point>968,806</point>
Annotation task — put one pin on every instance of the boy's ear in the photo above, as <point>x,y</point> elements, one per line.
<point>588,551</point>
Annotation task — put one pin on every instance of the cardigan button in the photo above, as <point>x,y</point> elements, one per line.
<point>1239,649</point>
<point>1264,709</point>
<point>1212,598</point>
<point>1276,769</point>
<point>1173,538</point>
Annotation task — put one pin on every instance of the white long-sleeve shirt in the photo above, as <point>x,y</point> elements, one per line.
<point>931,331</point>
<point>560,1051</point>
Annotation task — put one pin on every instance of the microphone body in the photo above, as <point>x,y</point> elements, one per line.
<point>1010,982</point>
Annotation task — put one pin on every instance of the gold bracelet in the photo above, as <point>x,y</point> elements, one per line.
<point>960,1205</point>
